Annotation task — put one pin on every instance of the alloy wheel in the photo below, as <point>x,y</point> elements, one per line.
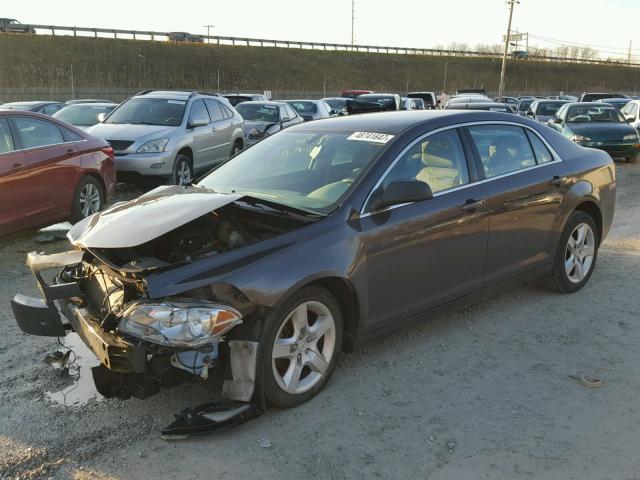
<point>304,347</point>
<point>578,258</point>
<point>90,199</point>
<point>183,173</point>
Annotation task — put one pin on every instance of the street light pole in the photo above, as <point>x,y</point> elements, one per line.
<point>208,27</point>
<point>506,51</point>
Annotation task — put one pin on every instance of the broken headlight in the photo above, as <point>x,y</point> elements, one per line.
<point>188,325</point>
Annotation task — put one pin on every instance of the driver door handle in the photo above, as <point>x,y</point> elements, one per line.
<point>472,205</point>
<point>16,166</point>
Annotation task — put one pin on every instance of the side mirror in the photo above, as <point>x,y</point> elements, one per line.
<point>629,119</point>
<point>198,122</point>
<point>529,113</point>
<point>402,191</point>
<point>101,117</point>
<point>556,120</point>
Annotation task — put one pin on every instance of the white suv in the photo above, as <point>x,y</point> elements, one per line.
<point>171,134</point>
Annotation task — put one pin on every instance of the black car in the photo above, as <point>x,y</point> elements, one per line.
<point>11,25</point>
<point>592,97</point>
<point>338,105</point>
<point>237,98</point>
<point>314,240</point>
<point>618,103</point>
<point>48,108</point>
<point>375,102</point>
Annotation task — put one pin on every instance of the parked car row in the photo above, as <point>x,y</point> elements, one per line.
<point>175,136</point>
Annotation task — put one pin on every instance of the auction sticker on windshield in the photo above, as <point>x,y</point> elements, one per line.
<point>176,102</point>
<point>370,137</point>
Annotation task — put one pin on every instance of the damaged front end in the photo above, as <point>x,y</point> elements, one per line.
<point>144,342</point>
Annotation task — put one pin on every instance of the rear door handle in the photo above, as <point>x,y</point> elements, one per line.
<point>472,205</point>
<point>16,166</point>
<point>557,181</point>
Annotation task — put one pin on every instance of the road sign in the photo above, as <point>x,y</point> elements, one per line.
<point>267,93</point>
<point>515,37</point>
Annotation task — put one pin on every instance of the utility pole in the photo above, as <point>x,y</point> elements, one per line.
<point>506,50</point>
<point>353,21</point>
<point>444,83</point>
<point>629,58</point>
<point>208,27</point>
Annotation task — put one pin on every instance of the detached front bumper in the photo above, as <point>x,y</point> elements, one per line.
<point>38,316</point>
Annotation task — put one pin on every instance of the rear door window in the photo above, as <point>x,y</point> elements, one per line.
<point>502,148</point>
<point>542,153</point>
<point>38,133</point>
<point>215,111</point>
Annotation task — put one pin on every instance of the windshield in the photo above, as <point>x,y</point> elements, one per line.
<point>382,101</point>
<point>304,107</point>
<point>149,111</point>
<point>258,112</point>
<point>82,115</point>
<point>548,108</point>
<point>307,170</point>
<point>336,103</point>
<point>589,113</point>
<point>525,103</point>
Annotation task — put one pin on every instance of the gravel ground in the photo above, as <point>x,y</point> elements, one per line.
<point>485,392</point>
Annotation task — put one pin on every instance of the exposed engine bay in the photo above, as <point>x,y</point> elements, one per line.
<point>223,230</point>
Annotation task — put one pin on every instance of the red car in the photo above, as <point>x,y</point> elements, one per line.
<point>353,93</point>
<point>50,171</point>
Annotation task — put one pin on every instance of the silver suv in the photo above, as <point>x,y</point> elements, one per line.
<point>171,134</point>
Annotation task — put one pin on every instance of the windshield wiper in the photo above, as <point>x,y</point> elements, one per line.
<point>280,209</point>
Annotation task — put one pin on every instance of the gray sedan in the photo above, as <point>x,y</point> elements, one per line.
<point>313,241</point>
<point>262,119</point>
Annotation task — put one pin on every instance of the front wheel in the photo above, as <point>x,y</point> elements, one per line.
<point>87,199</point>
<point>302,343</point>
<point>237,148</point>
<point>182,173</point>
<point>576,254</point>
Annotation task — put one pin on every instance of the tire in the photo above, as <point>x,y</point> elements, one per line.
<point>298,355</point>
<point>237,148</point>
<point>87,199</point>
<point>182,173</point>
<point>567,276</point>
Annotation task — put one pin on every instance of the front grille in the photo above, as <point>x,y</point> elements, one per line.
<point>119,145</point>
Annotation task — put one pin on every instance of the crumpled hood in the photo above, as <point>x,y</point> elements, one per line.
<point>129,132</point>
<point>602,132</point>
<point>129,224</point>
<point>260,126</point>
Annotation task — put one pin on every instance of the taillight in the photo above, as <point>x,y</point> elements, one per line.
<point>108,151</point>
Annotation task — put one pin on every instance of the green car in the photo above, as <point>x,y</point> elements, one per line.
<point>598,125</point>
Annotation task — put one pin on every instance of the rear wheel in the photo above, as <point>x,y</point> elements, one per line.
<point>302,343</point>
<point>87,199</point>
<point>576,254</point>
<point>182,173</point>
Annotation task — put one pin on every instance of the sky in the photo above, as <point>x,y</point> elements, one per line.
<point>404,23</point>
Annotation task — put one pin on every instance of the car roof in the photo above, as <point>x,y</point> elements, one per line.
<point>30,102</point>
<point>397,122</point>
<point>243,95</point>
<point>92,104</point>
<point>301,100</point>
<point>263,102</point>
<point>472,105</point>
<point>583,104</point>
